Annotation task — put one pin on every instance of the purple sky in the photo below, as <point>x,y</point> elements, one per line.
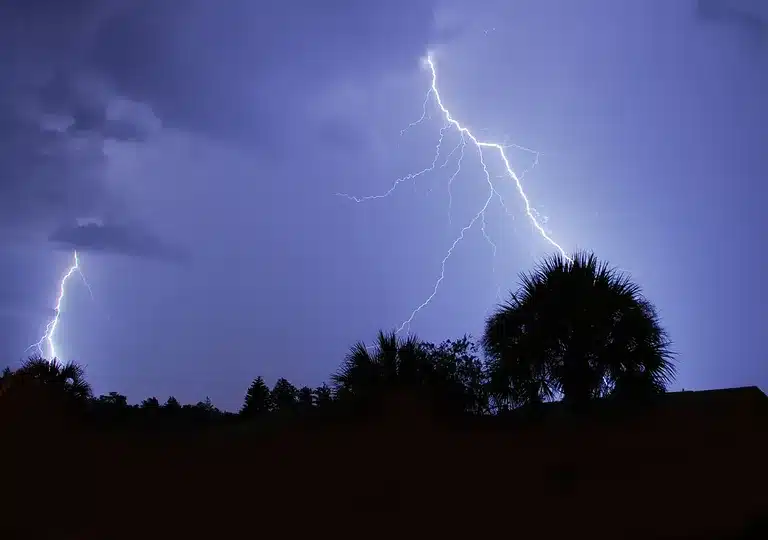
<point>210,142</point>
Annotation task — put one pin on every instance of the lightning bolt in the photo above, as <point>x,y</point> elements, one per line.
<point>50,328</point>
<point>466,137</point>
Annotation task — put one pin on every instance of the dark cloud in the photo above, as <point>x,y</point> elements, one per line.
<point>46,175</point>
<point>118,239</point>
<point>738,15</point>
<point>56,112</point>
<point>225,69</point>
<point>89,107</point>
<point>228,68</point>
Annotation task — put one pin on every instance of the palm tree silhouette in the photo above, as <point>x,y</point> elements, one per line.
<point>66,379</point>
<point>392,368</point>
<point>43,393</point>
<point>580,329</point>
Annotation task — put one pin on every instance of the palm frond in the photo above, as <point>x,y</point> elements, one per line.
<point>357,364</point>
<point>387,355</point>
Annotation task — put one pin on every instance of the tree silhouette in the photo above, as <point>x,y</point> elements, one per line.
<point>305,400</point>
<point>575,328</point>
<point>258,399</point>
<point>284,396</point>
<point>323,396</point>
<point>111,410</point>
<point>43,393</point>
<point>393,368</point>
<point>202,411</point>
<point>172,404</point>
<point>580,329</point>
<point>150,403</point>
<point>67,380</point>
<point>458,376</point>
<point>114,400</point>
<point>206,405</point>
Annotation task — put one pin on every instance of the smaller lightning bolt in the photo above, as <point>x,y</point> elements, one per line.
<point>50,328</point>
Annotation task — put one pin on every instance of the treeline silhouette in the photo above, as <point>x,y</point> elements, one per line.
<point>575,337</point>
<point>575,330</point>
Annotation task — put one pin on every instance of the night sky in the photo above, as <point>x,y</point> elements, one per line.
<point>193,151</point>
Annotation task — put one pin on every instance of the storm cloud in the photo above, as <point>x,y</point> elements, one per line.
<point>117,239</point>
<point>749,17</point>
<point>117,70</point>
<point>214,66</point>
<point>53,126</point>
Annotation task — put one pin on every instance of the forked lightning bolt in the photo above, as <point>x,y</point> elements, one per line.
<point>50,329</point>
<point>466,136</point>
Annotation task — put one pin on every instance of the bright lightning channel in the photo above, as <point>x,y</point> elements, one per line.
<point>48,338</point>
<point>466,136</point>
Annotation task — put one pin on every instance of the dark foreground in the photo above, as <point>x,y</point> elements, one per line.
<point>694,466</point>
